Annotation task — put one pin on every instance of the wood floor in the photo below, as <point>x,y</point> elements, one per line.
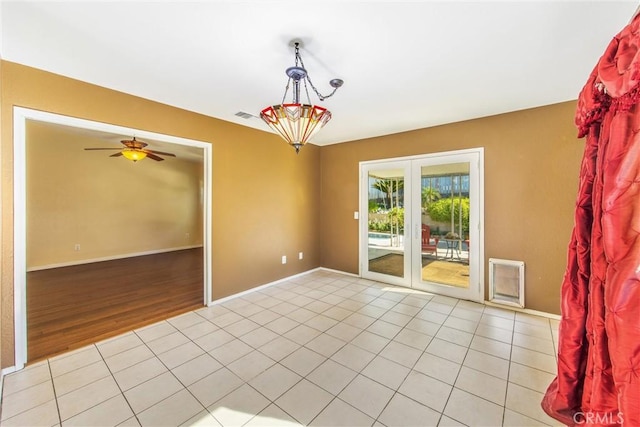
<point>71,307</point>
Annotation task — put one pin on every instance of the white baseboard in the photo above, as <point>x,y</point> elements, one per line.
<point>3,372</point>
<point>266,285</point>
<point>11,369</point>
<point>338,271</point>
<point>488,303</point>
<point>524,310</point>
<point>110,258</point>
<point>257,288</point>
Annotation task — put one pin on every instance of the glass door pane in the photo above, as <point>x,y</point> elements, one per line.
<point>420,223</point>
<point>447,225</point>
<point>444,192</point>
<point>385,245</point>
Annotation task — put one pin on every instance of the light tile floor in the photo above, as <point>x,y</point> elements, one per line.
<point>322,349</point>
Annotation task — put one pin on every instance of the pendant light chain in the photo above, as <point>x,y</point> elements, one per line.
<point>320,96</point>
<point>294,121</point>
<point>286,90</point>
<point>306,89</point>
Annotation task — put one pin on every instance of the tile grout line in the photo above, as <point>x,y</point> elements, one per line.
<point>403,328</point>
<point>224,366</point>
<point>21,390</point>
<point>116,381</point>
<point>366,290</point>
<point>360,372</point>
<point>504,409</point>
<point>276,362</point>
<point>184,387</point>
<point>335,396</point>
<point>461,364</point>
<point>55,395</point>
<point>305,377</point>
<point>144,343</point>
<point>396,391</point>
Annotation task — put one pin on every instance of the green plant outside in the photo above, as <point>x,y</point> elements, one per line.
<point>380,225</point>
<point>395,218</point>
<point>440,211</point>
<point>388,187</point>
<point>429,195</point>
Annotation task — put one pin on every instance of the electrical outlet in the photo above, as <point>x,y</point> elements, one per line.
<point>187,235</point>
<point>284,259</point>
<point>300,255</point>
<point>356,215</point>
<point>76,247</point>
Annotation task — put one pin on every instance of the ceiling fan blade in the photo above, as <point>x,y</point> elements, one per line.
<point>160,152</point>
<point>88,149</point>
<point>154,157</point>
<point>133,143</point>
<point>117,154</point>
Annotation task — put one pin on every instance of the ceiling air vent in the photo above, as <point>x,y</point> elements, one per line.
<point>244,115</point>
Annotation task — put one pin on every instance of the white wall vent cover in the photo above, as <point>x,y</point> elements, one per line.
<point>506,282</point>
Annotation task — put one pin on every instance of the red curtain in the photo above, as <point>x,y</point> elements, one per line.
<point>598,380</point>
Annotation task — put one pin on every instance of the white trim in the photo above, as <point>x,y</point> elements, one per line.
<point>363,253</point>
<point>487,303</point>
<point>474,157</point>
<point>19,239</point>
<point>110,258</point>
<point>361,212</point>
<point>3,373</point>
<point>493,262</point>
<point>207,227</point>
<point>8,370</point>
<point>411,166</point>
<point>524,310</point>
<point>426,155</point>
<point>260,287</point>
<point>304,273</point>
<point>20,116</point>
<point>331,270</point>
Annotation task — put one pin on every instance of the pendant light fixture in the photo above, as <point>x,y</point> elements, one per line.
<point>297,122</point>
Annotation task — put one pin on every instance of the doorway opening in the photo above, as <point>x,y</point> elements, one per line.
<point>24,260</point>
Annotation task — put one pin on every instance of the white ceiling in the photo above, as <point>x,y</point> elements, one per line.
<point>406,64</point>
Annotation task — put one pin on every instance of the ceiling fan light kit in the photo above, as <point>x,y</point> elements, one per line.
<point>135,150</point>
<point>295,122</point>
<point>134,155</point>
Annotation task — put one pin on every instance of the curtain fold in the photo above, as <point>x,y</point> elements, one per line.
<point>598,379</point>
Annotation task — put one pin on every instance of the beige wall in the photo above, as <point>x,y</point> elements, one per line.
<point>109,206</point>
<point>532,160</point>
<point>263,194</point>
<point>265,198</point>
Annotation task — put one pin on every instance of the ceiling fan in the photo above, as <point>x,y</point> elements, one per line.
<point>135,150</point>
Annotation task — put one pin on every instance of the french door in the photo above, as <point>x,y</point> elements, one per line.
<point>421,222</point>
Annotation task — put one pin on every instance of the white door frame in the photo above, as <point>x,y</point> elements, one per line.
<point>365,168</point>
<point>475,292</point>
<point>20,117</point>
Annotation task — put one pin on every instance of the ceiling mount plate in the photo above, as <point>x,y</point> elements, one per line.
<point>292,43</point>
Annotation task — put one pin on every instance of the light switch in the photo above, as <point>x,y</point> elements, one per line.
<point>356,215</point>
